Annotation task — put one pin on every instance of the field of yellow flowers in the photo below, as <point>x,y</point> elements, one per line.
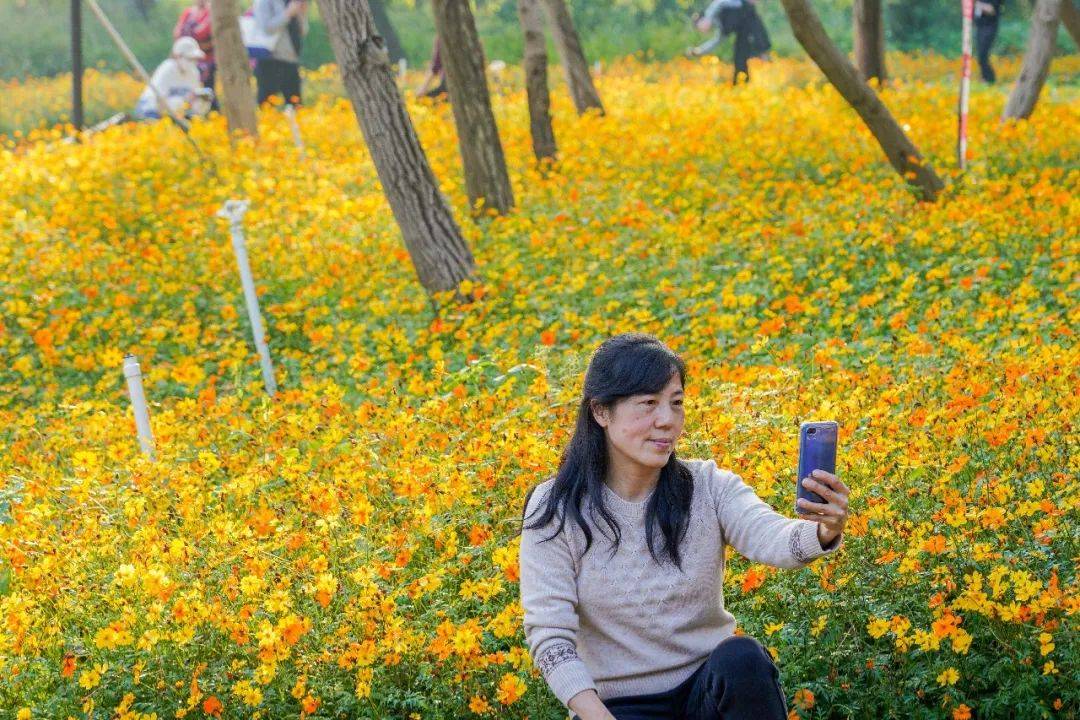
<point>349,549</point>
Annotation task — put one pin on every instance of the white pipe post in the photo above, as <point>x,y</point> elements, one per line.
<point>133,375</point>
<point>968,8</point>
<point>294,127</point>
<point>233,211</point>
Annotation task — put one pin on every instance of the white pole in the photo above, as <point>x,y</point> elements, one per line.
<point>402,67</point>
<point>133,375</point>
<point>233,211</point>
<point>967,7</point>
<point>163,106</point>
<point>294,127</point>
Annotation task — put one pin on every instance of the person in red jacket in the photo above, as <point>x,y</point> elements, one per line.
<point>194,22</point>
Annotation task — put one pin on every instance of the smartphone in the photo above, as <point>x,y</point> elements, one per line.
<point>817,451</point>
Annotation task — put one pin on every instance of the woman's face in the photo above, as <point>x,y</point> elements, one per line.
<point>642,429</point>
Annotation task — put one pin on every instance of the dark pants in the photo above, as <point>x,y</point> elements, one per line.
<point>984,40</point>
<point>209,77</point>
<point>750,37</point>
<point>738,681</point>
<point>276,76</point>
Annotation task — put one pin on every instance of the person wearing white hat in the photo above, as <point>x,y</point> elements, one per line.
<point>178,82</point>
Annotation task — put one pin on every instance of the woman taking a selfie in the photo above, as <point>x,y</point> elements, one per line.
<point>622,556</point>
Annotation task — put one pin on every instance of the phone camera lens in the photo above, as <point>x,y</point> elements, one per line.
<point>811,431</point>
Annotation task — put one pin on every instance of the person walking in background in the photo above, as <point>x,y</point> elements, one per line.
<point>738,17</point>
<point>194,22</point>
<point>987,16</point>
<point>280,73</point>
<point>177,81</point>
<point>436,71</point>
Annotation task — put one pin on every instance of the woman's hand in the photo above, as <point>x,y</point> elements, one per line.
<point>588,706</point>
<point>833,513</point>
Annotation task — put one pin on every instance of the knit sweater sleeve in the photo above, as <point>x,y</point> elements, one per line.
<point>759,533</point>
<point>549,598</point>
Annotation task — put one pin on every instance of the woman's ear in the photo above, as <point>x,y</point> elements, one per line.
<point>599,413</point>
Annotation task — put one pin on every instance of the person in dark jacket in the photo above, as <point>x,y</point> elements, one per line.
<point>738,17</point>
<point>987,16</point>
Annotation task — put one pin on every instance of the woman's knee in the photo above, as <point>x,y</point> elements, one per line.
<point>742,656</point>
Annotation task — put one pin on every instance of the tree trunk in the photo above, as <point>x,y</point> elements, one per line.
<point>438,251</point>
<point>1041,40</point>
<point>386,30</point>
<point>575,67</point>
<point>536,81</point>
<point>233,70</point>
<point>869,37</point>
<point>902,153</point>
<point>478,137</point>
<point>1070,18</point>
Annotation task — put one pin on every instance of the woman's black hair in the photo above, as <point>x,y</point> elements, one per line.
<point>624,365</point>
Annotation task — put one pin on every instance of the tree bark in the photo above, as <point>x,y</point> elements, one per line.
<point>869,36</point>
<point>439,253</point>
<point>575,66</point>
<point>478,137</point>
<point>901,152</point>
<point>536,80</point>
<point>233,70</point>
<point>1070,18</point>
<point>386,30</point>
<point>1041,39</point>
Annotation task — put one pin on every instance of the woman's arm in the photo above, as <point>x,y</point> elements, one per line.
<point>549,599</point>
<point>759,533</point>
<point>588,706</point>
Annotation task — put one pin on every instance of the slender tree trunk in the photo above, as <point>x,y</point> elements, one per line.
<point>536,81</point>
<point>1041,40</point>
<point>1070,18</point>
<point>386,29</point>
<point>439,253</point>
<point>902,153</point>
<point>575,67</point>
<point>869,35</point>
<point>233,70</point>
<point>478,137</point>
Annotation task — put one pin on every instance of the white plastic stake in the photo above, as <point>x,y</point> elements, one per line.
<point>967,8</point>
<point>133,375</point>
<point>290,114</point>
<point>233,211</point>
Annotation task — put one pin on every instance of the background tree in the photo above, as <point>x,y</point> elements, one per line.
<point>233,69</point>
<point>478,136</point>
<point>902,153</point>
<point>536,80</point>
<point>387,30</point>
<point>1040,48</point>
<point>575,66</point>
<point>868,35</point>
<point>1070,18</point>
<point>439,253</point>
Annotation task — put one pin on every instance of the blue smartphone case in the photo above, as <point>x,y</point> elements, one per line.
<point>817,451</point>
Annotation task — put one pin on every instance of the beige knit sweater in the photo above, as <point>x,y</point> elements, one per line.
<point>627,626</point>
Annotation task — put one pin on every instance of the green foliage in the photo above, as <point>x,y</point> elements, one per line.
<point>35,36</point>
